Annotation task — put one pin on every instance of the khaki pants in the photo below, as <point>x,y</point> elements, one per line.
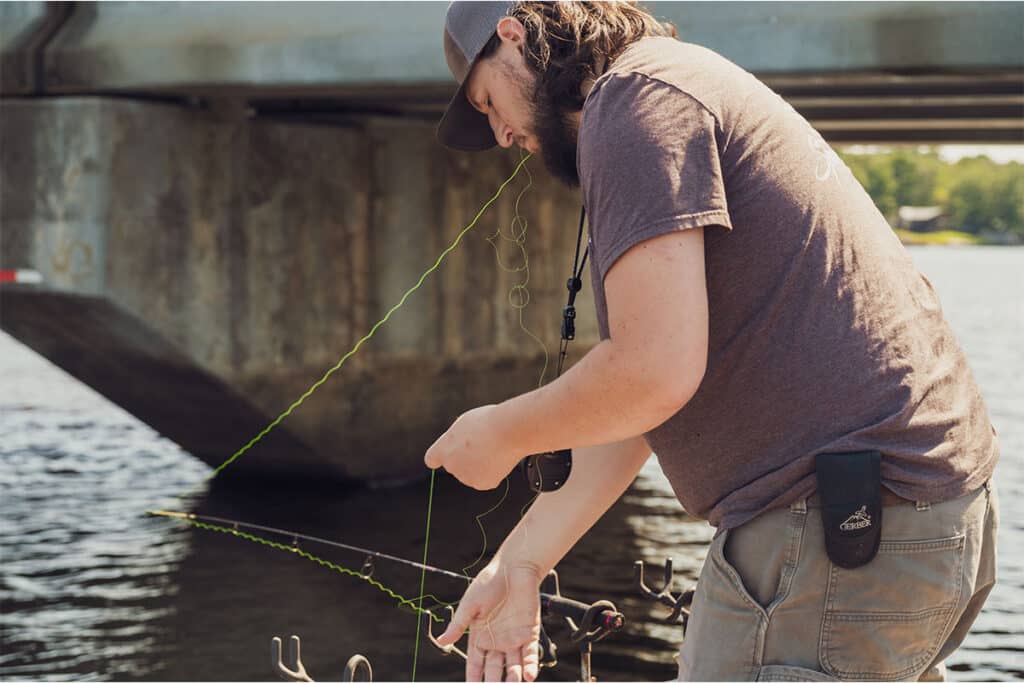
<point>770,605</point>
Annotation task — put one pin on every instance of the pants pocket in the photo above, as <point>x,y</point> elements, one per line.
<point>731,575</point>
<point>886,620</point>
<point>778,672</point>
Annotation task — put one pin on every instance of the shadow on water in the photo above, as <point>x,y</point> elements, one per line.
<point>232,595</point>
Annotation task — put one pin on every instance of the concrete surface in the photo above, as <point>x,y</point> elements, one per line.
<point>246,257</point>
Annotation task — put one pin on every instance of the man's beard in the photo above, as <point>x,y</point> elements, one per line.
<point>557,136</point>
<point>555,131</point>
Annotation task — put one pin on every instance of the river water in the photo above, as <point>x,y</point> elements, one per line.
<point>91,588</point>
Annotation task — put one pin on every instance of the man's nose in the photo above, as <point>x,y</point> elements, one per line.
<point>502,133</point>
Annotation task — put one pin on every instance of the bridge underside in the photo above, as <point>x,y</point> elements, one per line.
<point>220,201</point>
<point>885,108</point>
<point>865,72</point>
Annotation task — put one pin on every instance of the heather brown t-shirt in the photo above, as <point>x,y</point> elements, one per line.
<point>823,335</point>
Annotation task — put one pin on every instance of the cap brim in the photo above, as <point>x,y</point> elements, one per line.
<point>463,127</point>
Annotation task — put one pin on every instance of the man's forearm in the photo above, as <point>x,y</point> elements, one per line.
<point>611,394</point>
<point>558,519</point>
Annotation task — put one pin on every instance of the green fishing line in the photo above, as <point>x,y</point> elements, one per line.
<point>402,601</point>
<point>483,532</point>
<point>387,316</point>
<point>518,298</point>
<point>519,294</point>
<point>423,573</point>
<point>518,290</point>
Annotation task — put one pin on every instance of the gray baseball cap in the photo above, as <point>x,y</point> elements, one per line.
<point>467,28</point>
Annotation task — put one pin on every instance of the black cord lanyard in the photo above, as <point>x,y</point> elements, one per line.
<point>573,284</point>
<point>549,471</point>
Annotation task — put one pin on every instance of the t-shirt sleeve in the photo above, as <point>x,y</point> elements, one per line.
<point>649,164</point>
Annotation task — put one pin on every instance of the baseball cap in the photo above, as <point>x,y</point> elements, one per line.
<point>468,26</point>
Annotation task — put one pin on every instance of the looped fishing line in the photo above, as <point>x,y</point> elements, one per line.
<point>518,298</point>
<point>519,294</point>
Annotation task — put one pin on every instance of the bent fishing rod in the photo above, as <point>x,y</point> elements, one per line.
<point>605,618</point>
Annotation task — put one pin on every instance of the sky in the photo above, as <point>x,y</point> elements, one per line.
<point>1001,154</point>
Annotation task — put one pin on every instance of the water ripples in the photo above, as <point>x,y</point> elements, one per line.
<point>91,589</point>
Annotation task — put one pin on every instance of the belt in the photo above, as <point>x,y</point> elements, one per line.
<point>888,499</point>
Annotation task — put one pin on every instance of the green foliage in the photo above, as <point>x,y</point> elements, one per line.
<point>976,194</point>
<point>941,237</point>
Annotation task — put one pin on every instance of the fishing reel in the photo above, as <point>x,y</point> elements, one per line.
<point>545,472</point>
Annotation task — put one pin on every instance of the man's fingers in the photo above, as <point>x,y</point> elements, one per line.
<point>494,665</point>
<point>531,661</point>
<point>474,659</point>
<point>433,457</point>
<point>513,666</point>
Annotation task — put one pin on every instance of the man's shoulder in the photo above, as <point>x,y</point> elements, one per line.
<point>661,69</point>
<point>674,62</point>
<point>654,54</point>
<point>652,79</point>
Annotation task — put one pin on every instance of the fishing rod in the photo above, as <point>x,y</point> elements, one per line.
<point>296,536</point>
<point>552,602</point>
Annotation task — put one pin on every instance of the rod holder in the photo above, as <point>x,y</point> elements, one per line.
<point>678,604</point>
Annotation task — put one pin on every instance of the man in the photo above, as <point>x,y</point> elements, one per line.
<point>762,331</point>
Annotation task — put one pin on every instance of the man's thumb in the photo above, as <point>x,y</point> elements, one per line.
<point>432,459</point>
<point>455,629</point>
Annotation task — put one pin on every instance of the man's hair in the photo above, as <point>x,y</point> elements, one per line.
<point>569,41</point>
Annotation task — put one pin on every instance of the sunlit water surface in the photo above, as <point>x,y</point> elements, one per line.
<point>93,589</point>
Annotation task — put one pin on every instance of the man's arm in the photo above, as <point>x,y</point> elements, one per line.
<point>500,607</point>
<point>558,519</point>
<point>649,368</point>
<point>626,385</point>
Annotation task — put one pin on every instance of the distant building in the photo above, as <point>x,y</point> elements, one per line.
<point>921,218</point>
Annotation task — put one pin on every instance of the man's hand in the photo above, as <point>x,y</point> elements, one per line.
<point>501,608</point>
<point>475,450</point>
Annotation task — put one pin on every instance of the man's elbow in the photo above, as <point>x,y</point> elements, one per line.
<point>674,386</point>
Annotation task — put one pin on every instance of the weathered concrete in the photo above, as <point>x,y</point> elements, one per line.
<point>331,47</point>
<point>864,72</point>
<point>20,22</point>
<point>191,261</point>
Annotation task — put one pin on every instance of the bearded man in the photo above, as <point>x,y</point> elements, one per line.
<point>762,331</point>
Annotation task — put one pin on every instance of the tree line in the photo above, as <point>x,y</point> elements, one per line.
<point>977,195</point>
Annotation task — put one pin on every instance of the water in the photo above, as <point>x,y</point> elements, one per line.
<point>90,588</point>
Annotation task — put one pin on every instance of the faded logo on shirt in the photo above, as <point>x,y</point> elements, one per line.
<point>827,160</point>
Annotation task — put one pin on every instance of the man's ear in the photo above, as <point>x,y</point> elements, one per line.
<point>511,30</point>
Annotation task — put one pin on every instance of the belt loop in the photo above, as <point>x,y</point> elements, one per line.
<point>799,507</point>
<point>923,506</point>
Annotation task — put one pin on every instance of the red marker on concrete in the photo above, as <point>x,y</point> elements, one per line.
<point>21,276</point>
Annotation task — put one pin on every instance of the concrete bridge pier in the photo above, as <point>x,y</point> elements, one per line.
<point>202,269</point>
